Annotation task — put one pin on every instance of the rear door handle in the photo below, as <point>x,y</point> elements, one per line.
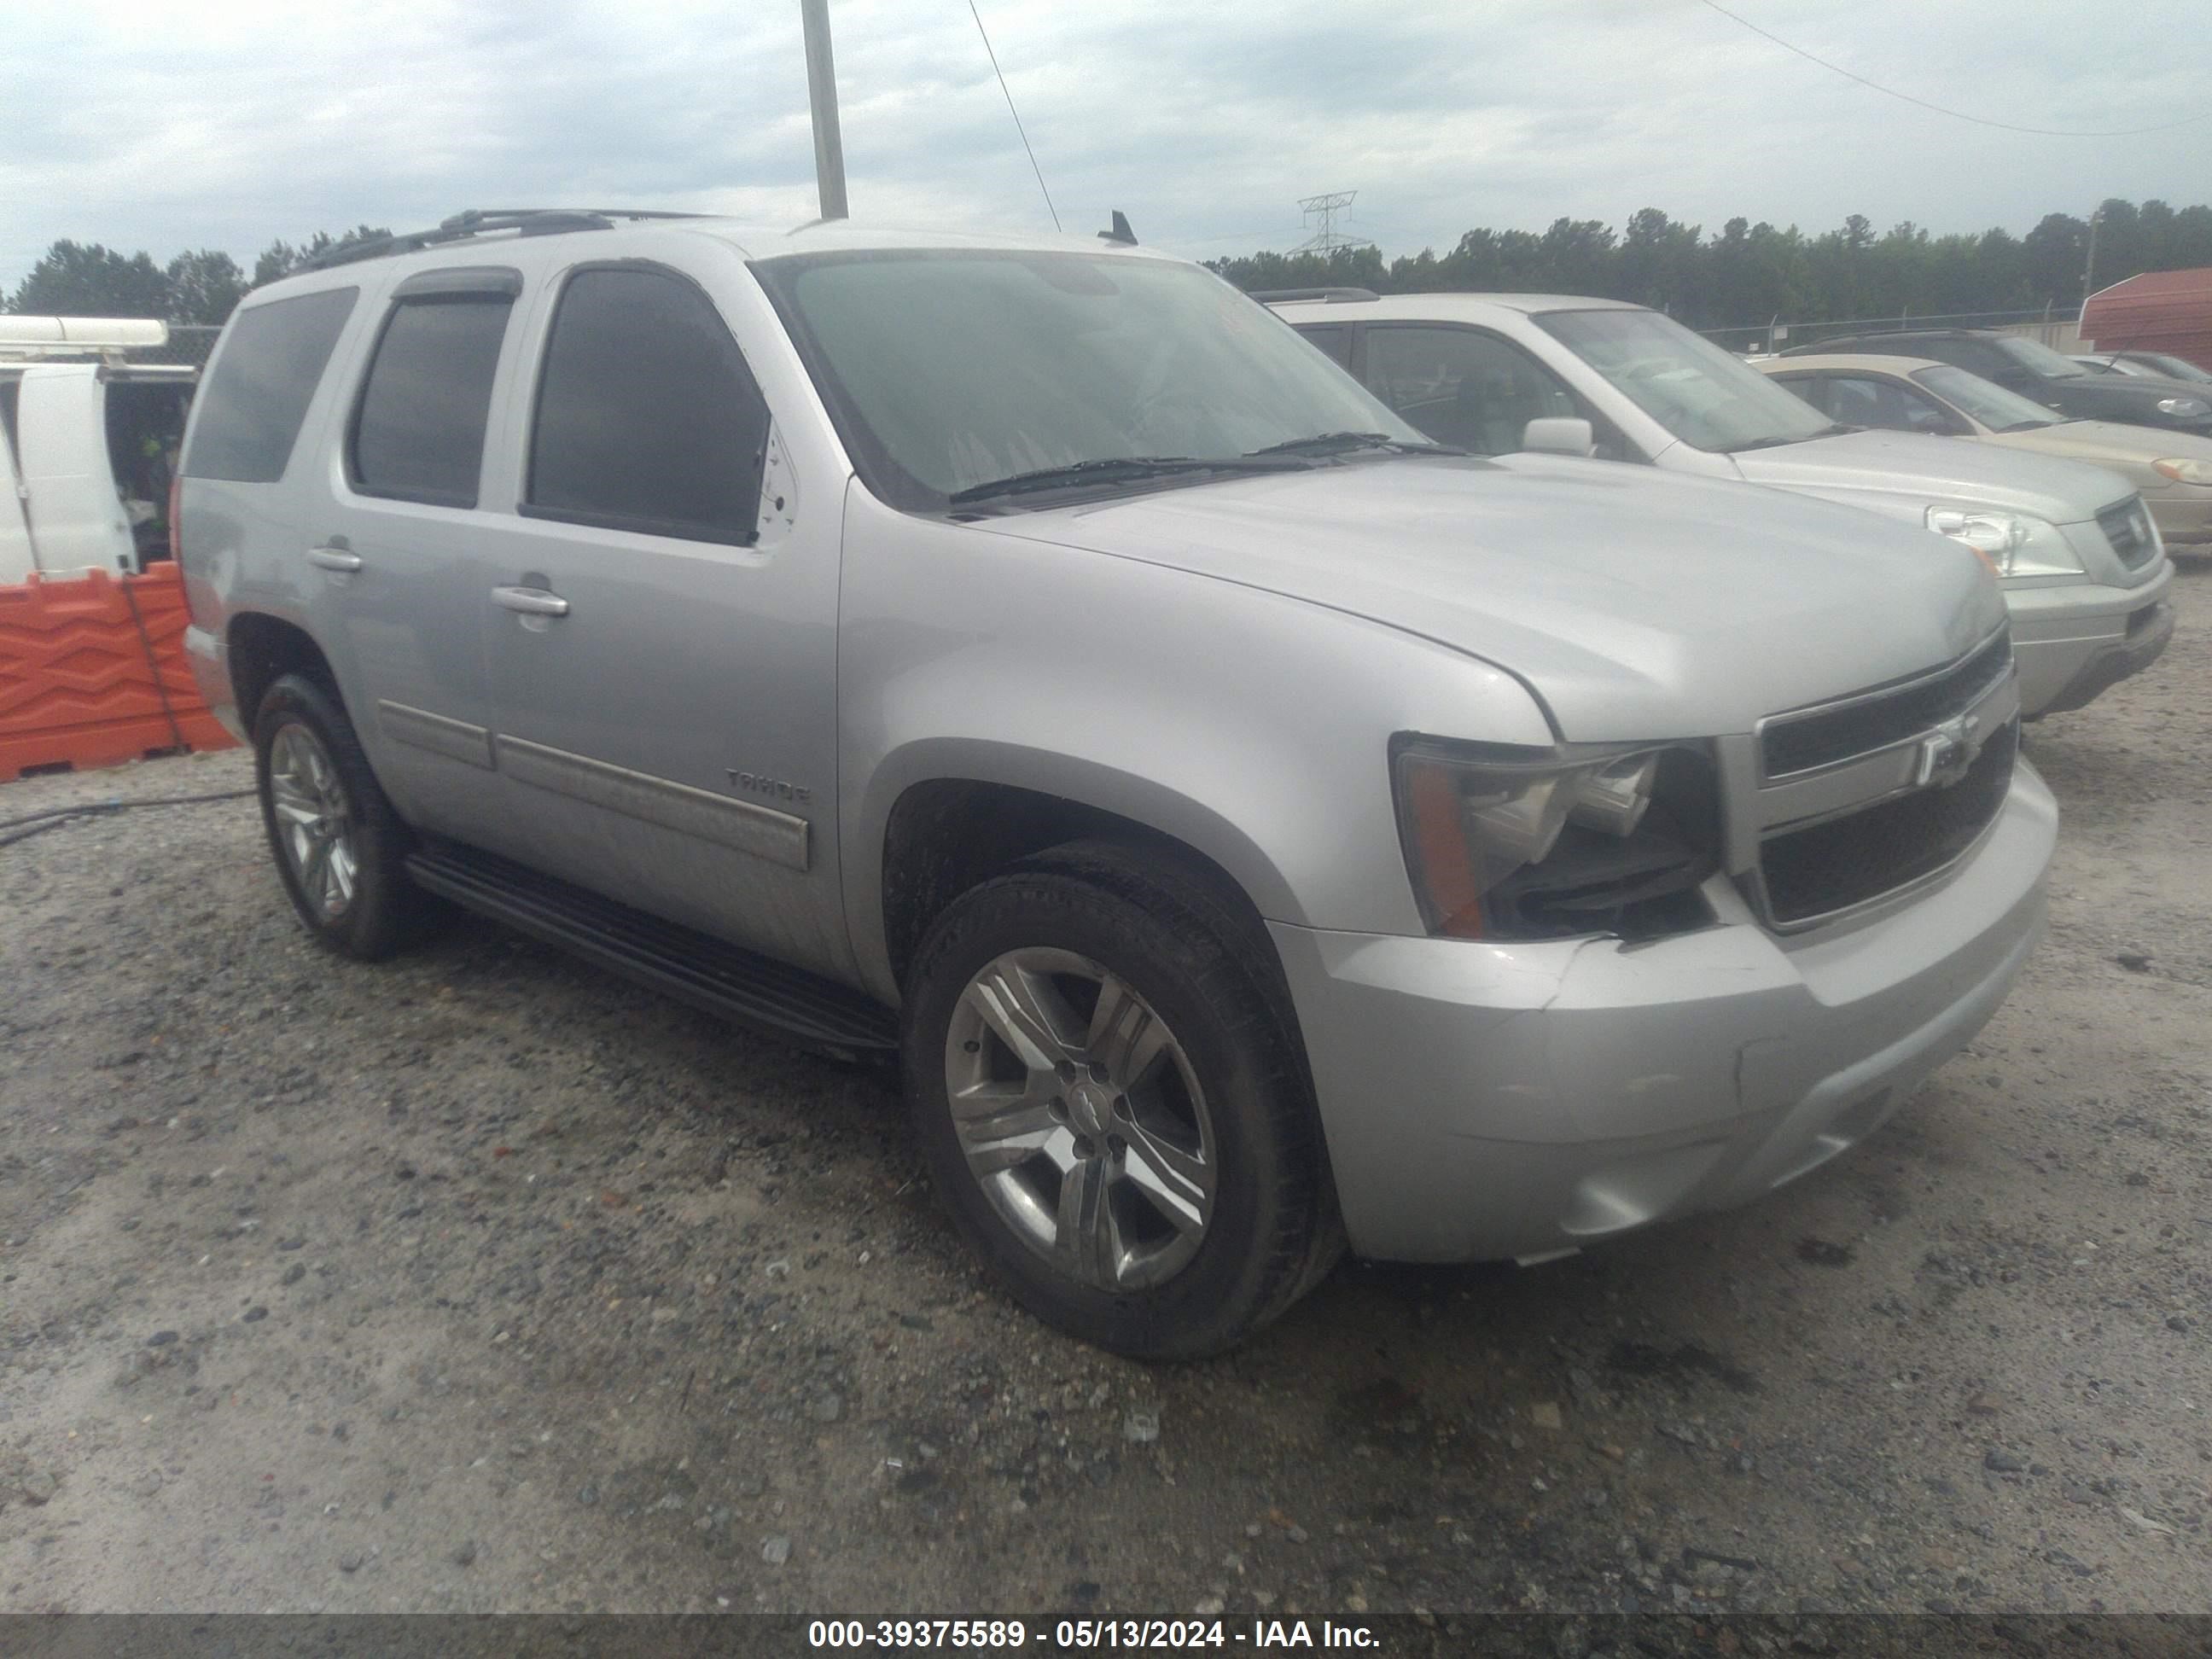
<point>531,601</point>
<point>333,558</point>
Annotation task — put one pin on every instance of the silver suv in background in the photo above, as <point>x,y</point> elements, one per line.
<point>2085,576</point>
<point>1249,826</point>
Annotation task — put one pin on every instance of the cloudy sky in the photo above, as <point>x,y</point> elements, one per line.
<point>231,122</point>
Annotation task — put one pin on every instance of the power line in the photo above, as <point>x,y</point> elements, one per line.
<point>1016,113</point>
<point>1957,115</point>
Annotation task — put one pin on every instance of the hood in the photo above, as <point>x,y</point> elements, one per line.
<point>1634,604</point>
<point>2108,443</point>
<point>1905,473</point>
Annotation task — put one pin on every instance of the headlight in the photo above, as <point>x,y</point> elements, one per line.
<point>2015,544</point>
<point>1529,844</point>
<point>2184,409</point>
<point>2195,472</point>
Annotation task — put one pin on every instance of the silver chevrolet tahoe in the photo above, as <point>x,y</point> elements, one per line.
<point>1252,828</point>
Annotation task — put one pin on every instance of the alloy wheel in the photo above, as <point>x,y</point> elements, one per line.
<point>1081,1118</point>
<point>314,820</point>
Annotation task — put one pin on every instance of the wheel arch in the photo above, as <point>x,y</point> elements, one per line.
<point>954,815</point>
<point>260,648</point>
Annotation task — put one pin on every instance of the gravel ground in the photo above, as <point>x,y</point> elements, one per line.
<point>483,1281</point>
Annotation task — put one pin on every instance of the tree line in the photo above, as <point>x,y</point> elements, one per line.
<point>1751,273</point>
<point>86,279</point>
<point>1746,275</point>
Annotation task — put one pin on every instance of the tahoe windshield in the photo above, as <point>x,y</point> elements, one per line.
<point>1986,401</point>
<point>2040,359</point>
<point>1698,392</point>
<point>957,373</point>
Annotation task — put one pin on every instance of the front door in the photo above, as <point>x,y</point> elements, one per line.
<point>1464,386</point>
<point>661,626</point>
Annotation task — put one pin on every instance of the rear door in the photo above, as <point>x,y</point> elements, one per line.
<point>391,556</point>
<point>15,560</point>
<point>77,514</point>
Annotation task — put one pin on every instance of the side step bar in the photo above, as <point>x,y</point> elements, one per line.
<point>753,990</point>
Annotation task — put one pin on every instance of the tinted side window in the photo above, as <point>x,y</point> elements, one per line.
<point>1463,387</point>
<point>252,404</point>
<point>647,417</point>
<point>1859,401</point>
<point>1979,356</point>
<point>1909,410</point>
<point>1812,388</point>
<point>418,435</point>
<point>1334,338</point>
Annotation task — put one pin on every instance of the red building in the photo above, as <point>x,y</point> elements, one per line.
<point>2159,311</point>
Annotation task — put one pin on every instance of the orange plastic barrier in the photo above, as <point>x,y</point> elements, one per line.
<point>93,672</point>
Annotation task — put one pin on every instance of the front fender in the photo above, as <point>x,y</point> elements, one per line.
<point>1253,727</point>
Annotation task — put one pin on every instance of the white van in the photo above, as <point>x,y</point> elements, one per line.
<point>90,445</point>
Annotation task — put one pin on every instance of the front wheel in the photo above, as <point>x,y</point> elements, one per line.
<point>1109,1103</point>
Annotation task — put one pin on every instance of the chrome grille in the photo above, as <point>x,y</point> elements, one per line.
<point>1846,861</point>
<point>2127,527</point>
<point>1869,795</point>
<point>1804,741</point>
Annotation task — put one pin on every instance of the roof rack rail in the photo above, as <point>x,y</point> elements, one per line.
<point>1332,296</point>
<point>529,221</point>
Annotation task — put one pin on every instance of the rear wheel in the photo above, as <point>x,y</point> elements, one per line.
<point>1109,1104</point>
<point>339,847</point>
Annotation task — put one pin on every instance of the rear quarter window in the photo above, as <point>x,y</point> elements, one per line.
<point>250,407</point>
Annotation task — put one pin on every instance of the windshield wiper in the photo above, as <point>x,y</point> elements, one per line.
<point>1774,440</point>
<point>2031,425</point>
<point>1120,469</point>
<point>1340,443</point>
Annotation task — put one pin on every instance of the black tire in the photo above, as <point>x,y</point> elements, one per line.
<point>1273,1232</point>
<point>387,912</point>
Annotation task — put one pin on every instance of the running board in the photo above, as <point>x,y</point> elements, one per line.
<point>753,990</point>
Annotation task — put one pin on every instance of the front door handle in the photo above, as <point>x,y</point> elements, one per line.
<point>531,601</point>
<point>333,558</point>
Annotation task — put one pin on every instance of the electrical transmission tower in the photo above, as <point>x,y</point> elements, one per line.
<point>1321,211</point>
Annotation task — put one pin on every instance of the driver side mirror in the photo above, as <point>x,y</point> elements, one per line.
<point>1558,434</point>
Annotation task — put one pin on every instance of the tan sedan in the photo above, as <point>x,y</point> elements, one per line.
<point>2173,469</point>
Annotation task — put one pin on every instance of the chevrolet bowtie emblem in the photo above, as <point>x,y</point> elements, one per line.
<point>1947,752</point>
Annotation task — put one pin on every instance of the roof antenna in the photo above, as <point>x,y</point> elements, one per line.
<point>1016,113</point>
<point>1120,232</point>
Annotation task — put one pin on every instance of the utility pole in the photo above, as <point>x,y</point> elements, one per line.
<point>822,96</point>
<point>2089,270</point>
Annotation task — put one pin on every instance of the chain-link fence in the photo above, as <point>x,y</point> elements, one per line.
<point>189,343</point>
<point>2054,325</point>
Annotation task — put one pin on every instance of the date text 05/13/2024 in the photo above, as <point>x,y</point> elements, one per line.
<point>1076,1635</point>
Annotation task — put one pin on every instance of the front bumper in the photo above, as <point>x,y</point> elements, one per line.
<point>1483,1101</point>
<point>2073,642</point>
